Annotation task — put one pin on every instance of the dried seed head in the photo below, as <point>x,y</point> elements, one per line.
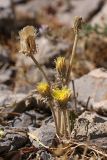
<point>62,96</point>
<point>43,88</point>
<point>77,24</point>
<point>27,40</point>
<point>61,65</point>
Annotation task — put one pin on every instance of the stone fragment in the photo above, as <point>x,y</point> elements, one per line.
<point>93,85</point>
<point>93,126</point>
<point>12,139</point>
<point>45,134</point>
<point>100,18</point>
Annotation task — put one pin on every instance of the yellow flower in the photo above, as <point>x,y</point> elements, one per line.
<point>27,40</point>
<point>43,88</point>
<point>61,65</point>
<point>1,133</point>
<point>61,95</point>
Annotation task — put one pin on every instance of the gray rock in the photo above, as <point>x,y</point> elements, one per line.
<point>95,50</point>
<point>29,118</point>
<point>6,76</point>
<point>91,125</point>
<point>45,134</point>
<point>5,9</point>
<point>64,12</point>
<point>10,102</point>
<point>8,98</point>
<point>48,50</point>
<point>93,85</point>
<point>12,139</point>
<point>101,17</point>
<point>46,156</point>
<point>4,56</point>
<point>80,8</point>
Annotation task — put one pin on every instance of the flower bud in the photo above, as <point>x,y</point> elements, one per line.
<point>61,65</point>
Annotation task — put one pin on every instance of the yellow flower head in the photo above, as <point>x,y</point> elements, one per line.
<point>61,95</point>
<point>61,65</point>
<point>43,88</point>
<point>27,40</point>
<point>1,133</point>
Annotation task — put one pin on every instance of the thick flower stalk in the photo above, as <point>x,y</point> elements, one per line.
<point>62,96</point>
<point>44,89</point>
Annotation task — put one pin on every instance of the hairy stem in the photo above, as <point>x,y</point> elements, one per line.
<point>54,117</point>
<point>62,124</point>
<point>65,124</point>
<point>59,119</point>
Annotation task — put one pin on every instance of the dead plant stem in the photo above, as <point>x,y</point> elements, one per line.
<point>62,123</point>
<point>68,123</point>
<point>54,117</point>
<point>72,56</point>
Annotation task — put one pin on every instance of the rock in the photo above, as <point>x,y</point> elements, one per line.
<point>8,98</point>
<point>45,155</point>
<point>80,8</point>
<point>29,119</point>
<point>7,70</point>
<point>48,51</point>
<point>93,85</point>
<point>91,125</point>
<point>4,5</point>
<point>95,50</point>
<point>12,139</point>
<point>25,120</point>
<point>6,16</point>
<point>45,134</point>
<point>10,102</point>
<point>5,58</point>
<point>101,17</point>
<point>6,76</point>
<point>62,11</point>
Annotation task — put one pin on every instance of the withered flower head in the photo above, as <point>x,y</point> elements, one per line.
<point>43,88</point>
<point>62,96</point>
<point>27,40</point>
<point>61,65</point>
<point>77,23</point>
